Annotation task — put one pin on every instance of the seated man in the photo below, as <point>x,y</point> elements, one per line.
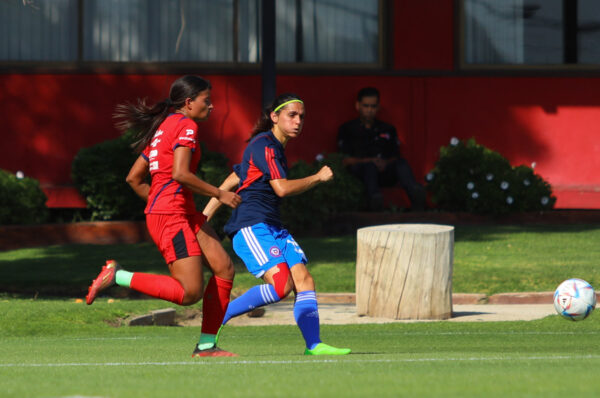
<point>373,154</point>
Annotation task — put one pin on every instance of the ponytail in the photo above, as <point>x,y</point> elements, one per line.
<point>143,120</point>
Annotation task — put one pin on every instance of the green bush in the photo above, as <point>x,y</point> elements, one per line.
<point>469,177</point>
<point>311,209</point>
<point>99,173</point>
<point>21,200</point>
<point>305,212</point>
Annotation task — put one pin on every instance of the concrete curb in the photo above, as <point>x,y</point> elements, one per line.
<point>460,298</point>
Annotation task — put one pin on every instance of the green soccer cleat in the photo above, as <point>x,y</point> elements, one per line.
<point>324,349</point>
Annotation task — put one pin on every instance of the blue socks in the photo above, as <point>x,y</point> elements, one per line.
<point>306,314</point>
<point>256,296</point>
<point>306,311</point>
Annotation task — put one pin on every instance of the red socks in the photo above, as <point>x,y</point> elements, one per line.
<point>214,304</point>
<point>159,286</point>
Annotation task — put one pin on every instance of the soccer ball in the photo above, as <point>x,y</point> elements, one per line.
<point>574,299</point>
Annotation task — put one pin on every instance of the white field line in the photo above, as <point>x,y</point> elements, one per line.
<point>491,333</point>
<point>307,361</point>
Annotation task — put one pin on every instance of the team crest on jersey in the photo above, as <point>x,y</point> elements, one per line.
<point>189,132</point>
<point>275,252</point>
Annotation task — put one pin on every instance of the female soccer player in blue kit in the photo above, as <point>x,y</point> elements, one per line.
<point>259,238</point>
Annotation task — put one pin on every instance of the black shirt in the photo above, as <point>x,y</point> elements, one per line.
<point>357,141</point>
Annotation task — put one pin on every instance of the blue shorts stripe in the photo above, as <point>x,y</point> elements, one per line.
<point>262,247</point>
<point>255,249</point>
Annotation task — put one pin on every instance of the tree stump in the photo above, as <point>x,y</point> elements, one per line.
<point>404,271</point>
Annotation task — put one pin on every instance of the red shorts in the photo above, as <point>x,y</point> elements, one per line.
<point>175,234</point>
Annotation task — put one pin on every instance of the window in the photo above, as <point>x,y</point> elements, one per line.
<point>42,31</point>
<point>531,32</point>
<point>187,31</point>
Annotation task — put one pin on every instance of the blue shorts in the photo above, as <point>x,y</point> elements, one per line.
<point>263,246</point>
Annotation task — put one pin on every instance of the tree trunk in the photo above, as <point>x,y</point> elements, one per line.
<point>404,271</point>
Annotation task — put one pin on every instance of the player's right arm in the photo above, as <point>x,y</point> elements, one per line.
<point>137,178</point>
<point>230,183</point>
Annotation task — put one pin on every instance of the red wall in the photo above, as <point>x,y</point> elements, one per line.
<point>550,121</point>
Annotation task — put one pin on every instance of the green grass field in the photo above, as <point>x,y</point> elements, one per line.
<point>59,348</point>
<point>56,347</point>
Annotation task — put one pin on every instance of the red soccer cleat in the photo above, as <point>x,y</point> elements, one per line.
<point>212,352</point>
<point>105,279</point>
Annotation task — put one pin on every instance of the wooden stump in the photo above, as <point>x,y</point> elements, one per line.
<point>404,271</point>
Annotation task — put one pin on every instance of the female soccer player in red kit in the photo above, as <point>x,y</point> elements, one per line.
<point>268,250</point>
<point>167,137</point>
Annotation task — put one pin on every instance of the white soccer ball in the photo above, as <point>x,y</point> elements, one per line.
<point>574,299</point>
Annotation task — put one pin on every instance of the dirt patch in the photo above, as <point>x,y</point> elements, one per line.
<point>345,314</point>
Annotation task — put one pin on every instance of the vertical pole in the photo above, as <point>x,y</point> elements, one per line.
<point>268,52</point>
<point>570,28</point>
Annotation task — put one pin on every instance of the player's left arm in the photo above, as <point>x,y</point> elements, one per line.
<point>137,178</point>
<point>182,157</point>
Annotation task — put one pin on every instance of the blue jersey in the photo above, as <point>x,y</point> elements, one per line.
<point>263,161</point>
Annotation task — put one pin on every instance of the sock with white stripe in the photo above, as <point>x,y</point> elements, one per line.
<point>255,297</point>
<point>306,314</point>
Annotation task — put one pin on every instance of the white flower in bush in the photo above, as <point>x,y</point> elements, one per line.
<point>454,141</point>
<point>509,200</point>
<point>545,200</point>
<point>20,175</point>
<point>526,182</point>
<point>533,164</point>
<point>504,185</point>
<point>470,186</point>
<point>475,195</point>
<point>429,176</point>
<point>489,177</point>
<point>320,157</point>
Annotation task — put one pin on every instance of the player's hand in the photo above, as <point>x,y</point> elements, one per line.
<point>229,198</point>
<point>325,174</point>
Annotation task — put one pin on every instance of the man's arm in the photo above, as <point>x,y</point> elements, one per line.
<point>345,147</point>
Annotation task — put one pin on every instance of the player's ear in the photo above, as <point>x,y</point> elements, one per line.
<point>274,117</point>
<point>357,105</point>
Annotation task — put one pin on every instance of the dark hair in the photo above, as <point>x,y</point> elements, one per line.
<point>265,123</point>
<point>144,120</point>
<point>367,92</point>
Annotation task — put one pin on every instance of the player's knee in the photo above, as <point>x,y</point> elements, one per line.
<point>228,272</point>
<point>191,297</point>
<point>305,282</point>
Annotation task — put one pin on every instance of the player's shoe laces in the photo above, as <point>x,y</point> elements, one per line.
<point>214,351</point>
<point>105,279</point>
<point>324,349</point>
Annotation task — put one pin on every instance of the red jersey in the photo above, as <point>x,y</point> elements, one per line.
<point>167,196</point>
